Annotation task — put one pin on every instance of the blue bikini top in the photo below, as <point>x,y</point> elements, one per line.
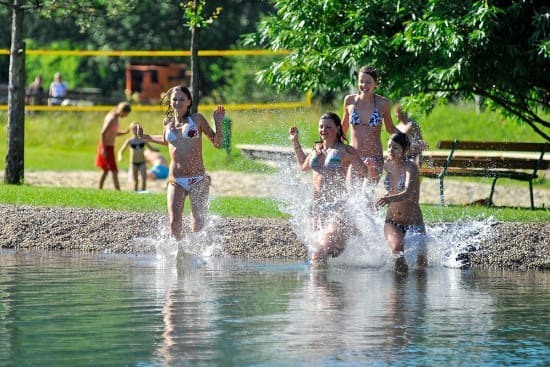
<point>332,159</point>
<point>375,118</point>
<point>400,185</point>
<point>189,131</point>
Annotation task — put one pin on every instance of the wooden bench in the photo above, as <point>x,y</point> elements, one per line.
<point>486,159</point>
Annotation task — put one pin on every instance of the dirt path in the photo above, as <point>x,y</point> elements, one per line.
<point>229,183</point>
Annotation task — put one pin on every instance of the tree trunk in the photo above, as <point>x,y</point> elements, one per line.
<point>15,168</point>
<point>195,68</point>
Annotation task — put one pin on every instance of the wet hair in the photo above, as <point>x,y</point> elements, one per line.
<point>165,100</point>
<point>123,107</point>
<point>371,71</point>
<point>402,139</point>
<point>340,137</point>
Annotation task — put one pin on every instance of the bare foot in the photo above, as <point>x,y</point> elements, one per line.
<point>401,265</point>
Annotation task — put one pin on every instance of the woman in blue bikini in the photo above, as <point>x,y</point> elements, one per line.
<point>403,193</point>
<point>329,160</point>
<point>363,116</point>
<point>182,132</point>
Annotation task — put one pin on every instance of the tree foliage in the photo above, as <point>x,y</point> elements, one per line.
<point>149,25</point>
<point>428,49</point>
<point>84,12</point>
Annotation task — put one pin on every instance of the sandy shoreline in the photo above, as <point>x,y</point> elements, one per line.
<point>524,246</point>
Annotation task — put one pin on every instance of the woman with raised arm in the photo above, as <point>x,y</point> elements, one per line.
<point>329,161</point>
<point>182,132</point>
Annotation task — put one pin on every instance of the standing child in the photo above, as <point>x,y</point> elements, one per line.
<point>137,157</point>
<point>403,193</point>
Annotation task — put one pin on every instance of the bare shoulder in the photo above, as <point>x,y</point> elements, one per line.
<point>411,167</point>
<point>348,149</point>
<point>201,122</point>
<point>382,101</point>
<point>349,99</point>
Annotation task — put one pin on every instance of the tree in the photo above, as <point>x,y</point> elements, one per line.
<point>430,50</point>
<point>83,11</point>
<point>193,13</point>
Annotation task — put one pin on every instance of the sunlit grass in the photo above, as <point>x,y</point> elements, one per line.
<point>230,206</point>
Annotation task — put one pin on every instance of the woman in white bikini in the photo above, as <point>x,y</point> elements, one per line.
<point>182,132</point>
<point>363,116</point>
<point>329,160</point>
<point>403,193</point>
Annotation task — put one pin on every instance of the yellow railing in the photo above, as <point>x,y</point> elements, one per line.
<point>202,53</point>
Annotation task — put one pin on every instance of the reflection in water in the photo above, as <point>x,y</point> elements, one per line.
<point>82,310</point>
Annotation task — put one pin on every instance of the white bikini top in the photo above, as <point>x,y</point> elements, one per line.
<point>189,131</point>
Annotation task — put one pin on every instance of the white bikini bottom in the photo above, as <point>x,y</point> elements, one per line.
<point>187,182</point>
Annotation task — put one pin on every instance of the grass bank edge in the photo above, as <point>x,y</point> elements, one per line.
<point>236,207</point>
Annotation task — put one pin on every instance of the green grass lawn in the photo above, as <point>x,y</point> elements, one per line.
<point>229,206</point>
<point>68,140</point>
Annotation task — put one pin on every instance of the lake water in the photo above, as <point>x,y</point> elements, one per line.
<point>68,309</point>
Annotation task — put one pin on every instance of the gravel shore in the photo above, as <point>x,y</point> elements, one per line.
<point>510,245</point>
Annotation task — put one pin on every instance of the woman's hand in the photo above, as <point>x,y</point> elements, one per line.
<point>293,134</point>
<point>139,131</point>
<point>384,200</point>
<point>219,114</point>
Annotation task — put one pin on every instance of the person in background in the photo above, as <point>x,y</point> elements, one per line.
<point>182,132</point>
<point>363,115</point>
<point>58,90</point>
<point>137,157</point>
<point>105,158</point>
<point>404,215</point>
<point>159,164</point>
<point>412,129</point>
<point>329,160</point>
<point>35,92</point>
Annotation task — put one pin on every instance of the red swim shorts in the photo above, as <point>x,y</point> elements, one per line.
<point>107,163</point>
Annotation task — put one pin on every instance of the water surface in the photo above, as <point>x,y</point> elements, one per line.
<point>67,309</point>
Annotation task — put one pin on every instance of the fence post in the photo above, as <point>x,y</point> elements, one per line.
<point>226,130</point>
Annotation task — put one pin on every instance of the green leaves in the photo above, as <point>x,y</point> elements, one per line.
<point>194,14</point>
<point>499,50</point>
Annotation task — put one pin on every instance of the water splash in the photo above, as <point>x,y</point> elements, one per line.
<point>196,247</point>
<point>446,244</point>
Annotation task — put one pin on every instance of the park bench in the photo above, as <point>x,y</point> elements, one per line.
<point>516,161</point>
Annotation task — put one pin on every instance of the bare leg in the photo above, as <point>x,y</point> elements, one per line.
<point>199,203</point>
<point>115,180</point>
<point>135,178</point>
<point>102,179</point>
<point>143,172</point>
<point>396,241</point>
<point>175,200</point>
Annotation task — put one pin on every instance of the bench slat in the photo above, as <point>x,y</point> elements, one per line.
<point>462,172</point>
<point>488,162</point>
<point>492,145</point>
